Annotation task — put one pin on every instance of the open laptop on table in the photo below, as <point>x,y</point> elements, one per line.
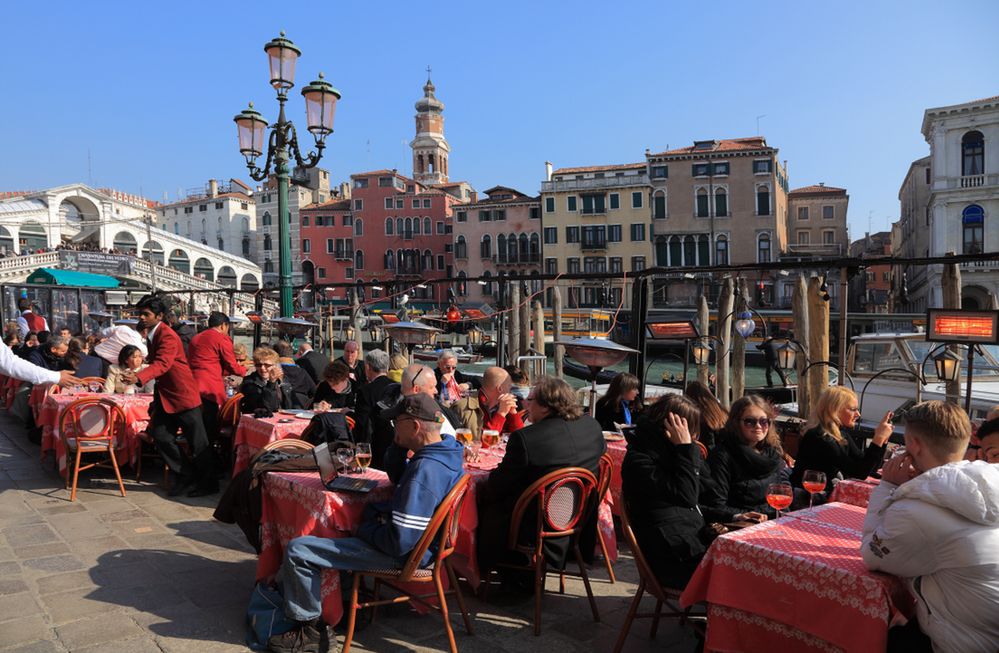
<point>332,480</point>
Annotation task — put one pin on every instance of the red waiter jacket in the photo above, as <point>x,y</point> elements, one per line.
<point>211,356</point>
<point>175,385</point>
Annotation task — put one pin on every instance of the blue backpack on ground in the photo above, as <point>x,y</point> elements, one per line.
<point>265,616</point>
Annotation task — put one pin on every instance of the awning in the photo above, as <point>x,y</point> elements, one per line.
<point>57,277</point>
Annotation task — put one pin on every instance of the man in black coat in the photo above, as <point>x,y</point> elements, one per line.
<point>311,361</point>
<point>559,436</point>
<point>300,381</point>
<point>446,370</point>
<point>369,424</point>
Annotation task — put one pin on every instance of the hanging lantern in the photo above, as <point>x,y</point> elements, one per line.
<point>702,351</point>
<point>948,365</point>
<point>786,355</point>
<point>744,324</point>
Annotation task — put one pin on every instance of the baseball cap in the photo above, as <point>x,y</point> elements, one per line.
<point>420,406</point>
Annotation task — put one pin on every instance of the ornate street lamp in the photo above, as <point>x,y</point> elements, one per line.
<point>320,107</point>
<point>744,324</point>
<point>948,365</point>
<point>474,336</point>
<point>701,350</point>
<point>787,353</point>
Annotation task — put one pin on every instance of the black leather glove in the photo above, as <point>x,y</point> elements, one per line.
<point>263,412</point>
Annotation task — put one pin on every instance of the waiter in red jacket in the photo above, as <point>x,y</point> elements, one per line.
<point>176,402</point>
<point>212,358</point>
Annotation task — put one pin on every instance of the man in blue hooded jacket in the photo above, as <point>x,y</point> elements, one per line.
<point>388,532</point>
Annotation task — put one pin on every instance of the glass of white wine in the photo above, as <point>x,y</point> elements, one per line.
<point>362,455</point>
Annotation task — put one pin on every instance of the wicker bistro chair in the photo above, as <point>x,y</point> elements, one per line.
<point>603,485</point>
<point>97,380</point>
<point>228,422</point>
<point>647,583</point>
<point>562,499</point>
<point>442,530</point>
<point>91,425</point>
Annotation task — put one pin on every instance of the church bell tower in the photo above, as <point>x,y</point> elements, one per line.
<point>430,148</point>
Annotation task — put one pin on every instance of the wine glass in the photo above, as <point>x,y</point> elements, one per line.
<point>779,496</point>
<point>362,454</point>
<point>813,482</point>
<point>345,455</point>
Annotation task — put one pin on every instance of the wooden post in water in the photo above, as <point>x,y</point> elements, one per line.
<point>559,350</point>
<point>539,340</point>
<point>951,283</point>
<point>818,339</point>
<point>355,311</point>
<point>799,310</point>
<point>843,316</point>
<point>739,343</point>
<point>703,324</point>
<point>525,327</point>
<point>513,315</point>
<point>723,358</point>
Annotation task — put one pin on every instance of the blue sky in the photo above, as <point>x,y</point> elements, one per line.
<point>149,89</point>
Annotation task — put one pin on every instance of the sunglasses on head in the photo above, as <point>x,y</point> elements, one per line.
<point>763,422</point>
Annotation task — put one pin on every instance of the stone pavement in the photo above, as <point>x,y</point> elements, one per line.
<point>147,573</point>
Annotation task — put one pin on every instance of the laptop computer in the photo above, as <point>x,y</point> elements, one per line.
<point>332,480</point>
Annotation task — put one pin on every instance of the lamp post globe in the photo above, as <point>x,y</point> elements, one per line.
<point>744,324</point>
<point>786,355</point>
<point>282,55</point>
<point>250,128</point>
<point>701,351</point>
<point>948,365</point>
<point>320,108</point>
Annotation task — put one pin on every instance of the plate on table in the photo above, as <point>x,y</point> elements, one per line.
<point>292,411</point>
<point>305,414</point>
<point>611,436</point>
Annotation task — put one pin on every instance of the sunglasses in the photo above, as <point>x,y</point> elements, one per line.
<point>762,422</point>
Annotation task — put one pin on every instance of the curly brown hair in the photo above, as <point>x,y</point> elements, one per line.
<point>558,397</point>
<point>655,414</point>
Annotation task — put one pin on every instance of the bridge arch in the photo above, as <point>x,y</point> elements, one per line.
<point>153,251</point>
<point>204,268</point>
<point>180,261</point>
<point>249,283</point>
<point>227,276</point>
<point>6,241</point>
<point>125,243</point>
<point>32,236</point>
<point>78,209</point>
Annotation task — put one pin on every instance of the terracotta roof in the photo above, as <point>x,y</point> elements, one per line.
<point>500,189</point>
<point>723,145</point>
<point>817,189</point>
<point>383,172</point>
<point>335,204</point>
<point>523,199</point>
<point>621,166</point>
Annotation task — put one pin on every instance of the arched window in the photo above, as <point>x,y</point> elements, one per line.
<point>388,226</point>
<point>487,288</point>
<point>176,228</point>
<point>460,248</point>
<point>389,260</point>
<point>358,227</point>
<point>525,248</point>
<point>462,284</point>
<point>662,251</point>
<point>204,226</point>
<point>218,227</point>
<point>763,248</point>
<point>221,245</point>
<point>246,225</point>
<point>266,220</point>
<point>675,251</point>
<point>358,260</point>
<point>501,248</point>
<point>973,227</point>
<point>400,260</point>
<point>427,229</point>
<point>721,203</point>
<point>721,251</point>
<point>511,248</point>
<point>409,229</point>
<point>659,205</point>
<point>702,203</point>
<point>486,247</point>
<point>689,251</point>
<point>428,260</point>
<point>535,248</point>
<point>416,227</point>
<point>973,154</point>
<point>398,227</point>
<point>703,250</point>
<point>267,242</point>
<point>762,200</point>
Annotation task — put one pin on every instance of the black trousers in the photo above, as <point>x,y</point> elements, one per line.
<point>908,639</point>
<point>773,367</point>
<point>163,428</point>
<point>210,415</point>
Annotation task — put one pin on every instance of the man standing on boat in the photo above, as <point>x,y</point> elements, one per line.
<point>769,348</point>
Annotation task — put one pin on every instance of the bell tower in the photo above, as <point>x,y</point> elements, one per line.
<point>430,148</point>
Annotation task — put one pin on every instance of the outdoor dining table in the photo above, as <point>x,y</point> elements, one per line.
<point>797,584</point>
<point>255,433</point>
<point>135,406</point>
<point>296,503</point>
<point>856,492</point>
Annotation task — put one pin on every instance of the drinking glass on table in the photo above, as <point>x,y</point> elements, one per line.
<point>362,454</point>
<point>490,438</point>
<point>345,455</point>
<point>463,435</point>
<point>779,496</point>
<point>813,482</point>
<point>472,451</point>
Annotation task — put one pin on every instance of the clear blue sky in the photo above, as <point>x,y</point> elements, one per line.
<point>149,89</point>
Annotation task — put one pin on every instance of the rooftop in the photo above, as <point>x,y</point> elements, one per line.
<point>615,167</point>
<point>724,145</point>
<point>818,189</point>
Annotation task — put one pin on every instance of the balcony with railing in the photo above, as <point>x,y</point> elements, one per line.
<point>973,181</point>
<point>815,249</point>
<point>572,185</point>
<point>593,244</point>
<point>506,259</point>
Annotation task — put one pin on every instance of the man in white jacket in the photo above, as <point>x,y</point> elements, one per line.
<point>934,520</point>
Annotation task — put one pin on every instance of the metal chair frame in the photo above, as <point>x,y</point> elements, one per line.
<point>70,429</point>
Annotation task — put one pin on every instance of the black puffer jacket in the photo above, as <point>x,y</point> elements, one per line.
<point>662,483</point>
<point>740,475</point>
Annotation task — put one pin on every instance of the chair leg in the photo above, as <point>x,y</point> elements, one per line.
<point>561,582</point>
<point>76,471</point>
<point>377,594</point>
<point>539,589</point>
<point>443,608</point>
<point>626,626</point>
<point>117,473</point>
<point>586,581</point>
<point>461,599</point>
<point>607,560</point>
<point>352,617</point>
<point>655,620</point>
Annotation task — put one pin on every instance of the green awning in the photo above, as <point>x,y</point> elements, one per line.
<point>57,277</point>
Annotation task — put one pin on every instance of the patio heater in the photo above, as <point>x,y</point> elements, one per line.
<point>292,327</point>
<point>411,333</point>
<point>595,354</point>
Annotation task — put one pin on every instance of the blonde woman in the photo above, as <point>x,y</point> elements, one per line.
<point>826,448</point>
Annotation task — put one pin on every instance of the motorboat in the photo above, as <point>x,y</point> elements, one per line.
<point>464,357</point>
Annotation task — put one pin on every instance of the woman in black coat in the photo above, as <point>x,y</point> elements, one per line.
<point>747,458</point>
<point>621,404</point>
<point>661,483</point>
<point>335,389</point>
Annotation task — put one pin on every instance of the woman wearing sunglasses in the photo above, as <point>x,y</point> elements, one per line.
<point>826,448</point>
<point>746,460</point>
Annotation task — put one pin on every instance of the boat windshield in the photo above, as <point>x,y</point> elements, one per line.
<point>985,364</point>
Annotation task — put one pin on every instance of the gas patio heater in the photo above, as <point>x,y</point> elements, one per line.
<point>411,333</point>
<point>292,327</point>
<point>595,354</point>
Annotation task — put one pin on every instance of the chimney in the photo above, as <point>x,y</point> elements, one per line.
<point>822,183</point>
<point>548,170</point>
<point>213,188</point>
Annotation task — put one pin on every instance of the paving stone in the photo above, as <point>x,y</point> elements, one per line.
<point>55,563</point>
<point>40,550</point>
<point>123,515</point>
<point>135,645</point>
<point>90,550</point>
<point>41,646</point>
<point>64,509</point>
<point>63,582</point>
<point>17,605</point>
<point>9,568</point>
<point>29,535</point>
<point>64,607</point>
<point>27,629</point>
<point>12,587</point>
<point>97,630</point>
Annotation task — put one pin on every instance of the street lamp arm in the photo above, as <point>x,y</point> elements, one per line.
<point>261,174</point>
<point>804,372</point>
<point>919,377</point>
<point>291,137</point>
<point>657,359</point>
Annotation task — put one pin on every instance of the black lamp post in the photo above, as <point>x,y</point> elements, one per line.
<point>320,107</point>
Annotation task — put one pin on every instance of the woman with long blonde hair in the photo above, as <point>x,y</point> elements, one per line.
<point>826,448</point>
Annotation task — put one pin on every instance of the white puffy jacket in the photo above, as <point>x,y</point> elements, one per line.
<point>940,531</point>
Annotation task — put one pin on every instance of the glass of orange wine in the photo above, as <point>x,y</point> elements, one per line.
<point>813,482</point>
<point>362,455</point>
<point>490,438</point>
<point>779,496</point>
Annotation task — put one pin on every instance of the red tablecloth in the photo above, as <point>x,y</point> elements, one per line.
<point>854,492</point>
<point>797,583</point>
<point>295,504</point>
<point>136,409</point>
<point>253,434</point>
<point>617,450</point>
